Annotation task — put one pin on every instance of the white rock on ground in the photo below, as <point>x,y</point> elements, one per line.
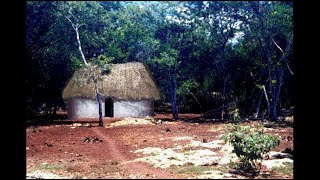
<point>169,157</point>
<point>168,122</point>
<point>276,162</point>
<point>202,157</point>
<point>182,138</point>
<point>130,121</point>
<point>211,144</point>
<point>43,175</point>
<point>228,155</point>
<point>149,150</point>
<point>279,155</point>
<point>76,125</point>
<point>226,148</point>
<point>228,158</point>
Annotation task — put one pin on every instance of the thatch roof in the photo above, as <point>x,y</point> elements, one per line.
<point>128,81</point>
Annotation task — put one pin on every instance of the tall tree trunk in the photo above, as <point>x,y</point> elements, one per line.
<point>76,28</point>
<point>223,110</point>
<point>268,72</point>
<point>280,73</point>
<point>225,89</point>
<point>98,99</point>
<point>80,49</point>
<point>100,108</point>
<point>274,87</point>
<point>258,106</point>
<point>195,98</point>
<point>267,99</point>
<point>173,85</point>
<point>277,94</point>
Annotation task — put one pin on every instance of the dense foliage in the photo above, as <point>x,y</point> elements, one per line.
<point>250,145</point>
<point>203,54</point>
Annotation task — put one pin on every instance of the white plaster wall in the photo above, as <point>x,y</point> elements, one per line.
<point>79,107</point>
<point>140,108</point>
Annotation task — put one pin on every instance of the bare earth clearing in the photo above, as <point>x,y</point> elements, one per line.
<point>137,148</point>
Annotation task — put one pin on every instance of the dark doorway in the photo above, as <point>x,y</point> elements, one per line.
<point>109,107</point>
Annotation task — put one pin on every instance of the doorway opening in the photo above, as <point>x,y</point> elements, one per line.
<point>108,107</point>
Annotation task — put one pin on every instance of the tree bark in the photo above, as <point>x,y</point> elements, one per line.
<point>98,98</point>
<point>100,108</point>
<point>273,72</point>
<point>80,49</point>
<point>195,98</point>
<point>267,99</point>
<point>173,85</point>
<point>258,106</point>
<point>76,28</point>
<point>277,94</point>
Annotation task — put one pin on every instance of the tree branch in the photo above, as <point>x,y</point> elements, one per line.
<point>73,26</point>
<point>276,44</point>
<point>286,53</point>
<point>76,27</point>
<point>289,69</point>
<point>83,24</point>
<point>253,76</point>
<point>194,97</point>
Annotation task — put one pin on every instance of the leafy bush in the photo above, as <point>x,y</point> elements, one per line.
<point>250,145</point>
<point>236,115</point>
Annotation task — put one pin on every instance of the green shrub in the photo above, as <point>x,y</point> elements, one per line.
<point>250,145</point>
<point>236,115</point>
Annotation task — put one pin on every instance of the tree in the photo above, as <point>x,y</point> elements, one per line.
<point>75,22</point>
<point>268,31</point>
<point>52,52</point>
<point>214,54</point>
<point>171,35</point>
<point>45,56</point>
<point>169,60</point>
<point>265,36</point>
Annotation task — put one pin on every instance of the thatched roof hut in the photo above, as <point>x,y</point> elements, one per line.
<point>129,91</point>
<point>128,81</point>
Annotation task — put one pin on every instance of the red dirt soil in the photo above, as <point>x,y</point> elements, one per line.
<point>63,146</point>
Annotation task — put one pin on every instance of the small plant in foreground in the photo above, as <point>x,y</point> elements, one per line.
<point>236,115</point>
<point>250,145</point>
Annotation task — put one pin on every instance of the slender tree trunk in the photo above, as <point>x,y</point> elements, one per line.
<point>274,87</point>
<point>267,59</point>
<point>80,49</point>
<point>100,108</point>
<point>280,77</point>
<point>223,98</point>
<point>267,99</point>
<point>277,94</point>
<point>173,85</point>
<point>258,106</point>
<point>76,28</point>
<point>98,98</point>
<point>195,98</point>
<point>222,72</point>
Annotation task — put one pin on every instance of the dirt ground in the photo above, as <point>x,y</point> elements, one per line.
<point>83,150</point>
